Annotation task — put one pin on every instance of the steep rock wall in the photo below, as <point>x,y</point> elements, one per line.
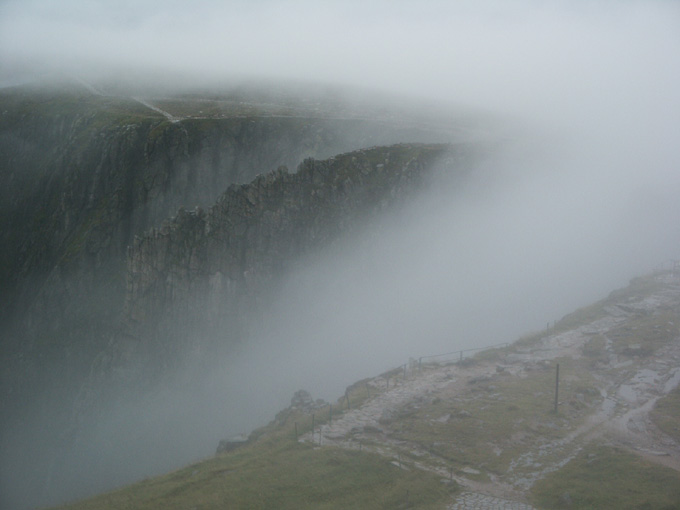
<point>81,175</point>
<point>208,267</point>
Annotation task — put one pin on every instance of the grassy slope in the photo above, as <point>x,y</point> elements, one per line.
<point>603,477</point>
<point>277,472</point>
<point>486,425</point>
<point>666,414</point>
<point>491,422</point>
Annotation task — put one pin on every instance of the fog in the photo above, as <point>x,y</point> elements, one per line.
<point>581,196</point>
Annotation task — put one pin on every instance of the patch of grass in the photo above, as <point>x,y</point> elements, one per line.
<point>639,286</point>
<point>604,477</point>
<point>206,108</point>
<point>273,471</point>
<point>643,335</point>
<point>282,474</point>
<point>358,393</point>
<point>580,317</point>
<point>595,350</point>
<point>666,414</point>
<point>529,339</point>
<point>638,289</point>
<point>493,420</point>
<point>492,354</point>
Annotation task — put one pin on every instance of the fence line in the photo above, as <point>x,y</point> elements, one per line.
<point>461,352</point>
<point>419,362</point>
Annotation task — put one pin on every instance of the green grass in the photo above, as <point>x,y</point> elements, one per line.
<point>666,414</point>
<point>277,472</point>
<point>202,108</point>
<point>643,335</point>
<point>595,347</point>
<point>492,354</point>
<point>602,477</point>
<point>493,421</point>
<point>637,289</point>
<point>580,317</point>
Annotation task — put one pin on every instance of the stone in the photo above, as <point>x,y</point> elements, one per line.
<point>231,444</point>
<point>302,400</point>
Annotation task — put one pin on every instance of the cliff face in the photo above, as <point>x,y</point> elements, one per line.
<point>88,302</point>
<point>212,267</point>
<point>82,175</point>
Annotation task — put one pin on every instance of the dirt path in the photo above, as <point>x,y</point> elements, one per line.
<point>167,115</point>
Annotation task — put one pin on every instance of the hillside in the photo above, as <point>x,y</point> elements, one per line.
<point>473,429</point>
<point>141,231</point>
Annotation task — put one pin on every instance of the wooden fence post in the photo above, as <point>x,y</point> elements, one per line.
<point>557,386</point>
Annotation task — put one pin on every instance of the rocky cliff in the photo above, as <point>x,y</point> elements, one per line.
<point>85,303</point>
<point>82,174</point>
<point>211,267</point>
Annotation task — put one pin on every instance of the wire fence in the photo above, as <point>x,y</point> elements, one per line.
<point>356,394</point>
<point>445,357</point>
<point>460,354</point>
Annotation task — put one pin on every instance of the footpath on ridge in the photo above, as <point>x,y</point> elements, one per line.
<point>488,421</point>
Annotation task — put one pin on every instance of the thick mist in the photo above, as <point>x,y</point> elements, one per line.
<point>580,196</point>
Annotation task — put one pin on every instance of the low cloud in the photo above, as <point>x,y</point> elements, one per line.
<point>582,198</point>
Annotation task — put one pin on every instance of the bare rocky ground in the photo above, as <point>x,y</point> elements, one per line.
<point>628,349</point>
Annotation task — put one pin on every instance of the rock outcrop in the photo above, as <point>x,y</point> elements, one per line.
<point>212,267</point>
<point>97,292</point>
<point>81,175</point>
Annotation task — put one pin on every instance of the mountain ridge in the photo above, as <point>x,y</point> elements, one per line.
<point>84,173</point>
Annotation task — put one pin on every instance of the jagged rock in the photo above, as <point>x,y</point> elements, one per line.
<point>302,400</point>
<point>93,279</point>
<point>82,175</point>
<point>231,444</point>
<point>253,235</point>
